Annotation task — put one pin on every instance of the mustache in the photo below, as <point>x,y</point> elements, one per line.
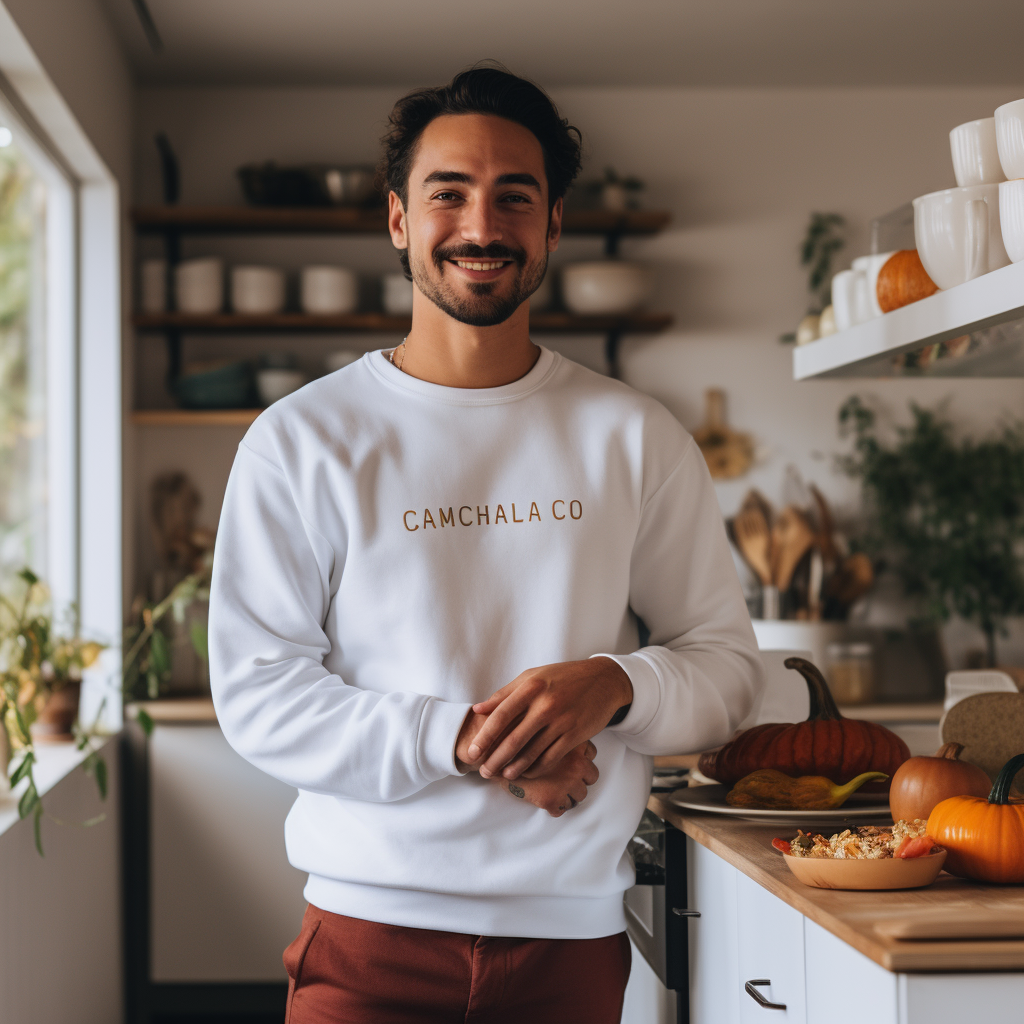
<point>494,251</point>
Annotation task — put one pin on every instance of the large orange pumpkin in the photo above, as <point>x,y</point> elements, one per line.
<point>826,744</point>
<point>984,837</point>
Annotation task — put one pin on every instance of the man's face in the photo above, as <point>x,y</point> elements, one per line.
<point>476,224</point>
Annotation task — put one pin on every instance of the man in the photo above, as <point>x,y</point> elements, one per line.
<point>429,574</point>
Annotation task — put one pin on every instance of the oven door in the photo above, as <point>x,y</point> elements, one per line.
<point>656,911</point>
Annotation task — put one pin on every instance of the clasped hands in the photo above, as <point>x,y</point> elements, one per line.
<point>532,737</point>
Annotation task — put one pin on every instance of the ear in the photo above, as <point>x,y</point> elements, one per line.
<point>555,226</point>
<point>396,222</point>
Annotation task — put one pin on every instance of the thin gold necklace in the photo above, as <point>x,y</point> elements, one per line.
<point>394,352</point>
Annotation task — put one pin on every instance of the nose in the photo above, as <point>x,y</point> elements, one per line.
<point>480,223</point>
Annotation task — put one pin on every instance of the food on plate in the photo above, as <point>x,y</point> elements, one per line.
<point>920,783</point>
<point>826,744</point>
<point>771,789</point>
<point>984,835</point>
<point>903,840</point>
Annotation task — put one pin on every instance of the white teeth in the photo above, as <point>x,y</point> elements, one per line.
<point>479,266</point>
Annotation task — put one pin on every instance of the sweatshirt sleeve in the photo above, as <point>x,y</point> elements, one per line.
<point>277,704</point>
<point>700,675</point>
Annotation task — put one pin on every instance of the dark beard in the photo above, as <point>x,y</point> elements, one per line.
<point>480,313</point>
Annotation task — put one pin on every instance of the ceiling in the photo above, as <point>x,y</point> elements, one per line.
<point>579,42</point>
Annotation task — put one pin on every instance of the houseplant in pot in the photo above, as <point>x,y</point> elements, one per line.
<point>40,683</point>
<point>946,513</point>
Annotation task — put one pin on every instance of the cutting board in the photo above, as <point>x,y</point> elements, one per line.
<point>954,922</point>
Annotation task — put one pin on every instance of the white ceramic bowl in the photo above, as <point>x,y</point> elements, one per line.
<point>1009,120</point>
<point>608,286</point>
<point>325,290</point>
<point>199,285</point>
<point>343,357</point>
<point>275,384</point>
<point>545,294</point>
<point>256,290</point>
<point>958,234</point>
<point>1011,217</point>
<point>396,294</point>
<point>974,152</point>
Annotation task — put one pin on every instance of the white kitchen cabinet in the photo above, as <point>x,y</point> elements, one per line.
<point>771,949</point>
<point>714,937</point>
<point>225,900</point>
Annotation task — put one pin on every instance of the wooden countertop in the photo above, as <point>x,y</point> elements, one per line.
<point>171,710</point>
<point>851,916</point>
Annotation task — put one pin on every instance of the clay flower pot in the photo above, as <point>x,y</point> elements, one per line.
<point>59,714</point>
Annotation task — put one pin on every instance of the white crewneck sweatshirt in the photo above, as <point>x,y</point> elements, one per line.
<point>391,551</point>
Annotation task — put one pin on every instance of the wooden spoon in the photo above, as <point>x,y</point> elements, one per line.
<point>792,538</point>
<point>753,538</point>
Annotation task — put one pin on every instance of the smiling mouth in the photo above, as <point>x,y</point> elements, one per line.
<point>480,265</point>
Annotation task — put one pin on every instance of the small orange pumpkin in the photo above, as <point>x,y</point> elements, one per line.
<point>920,783</point>
<point>984,837</point>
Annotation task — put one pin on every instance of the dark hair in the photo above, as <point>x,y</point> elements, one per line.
<point>481,90</point>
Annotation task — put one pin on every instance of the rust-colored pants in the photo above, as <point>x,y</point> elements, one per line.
<point>343,970</point>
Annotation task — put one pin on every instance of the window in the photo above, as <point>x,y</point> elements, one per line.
<point>38,510</point>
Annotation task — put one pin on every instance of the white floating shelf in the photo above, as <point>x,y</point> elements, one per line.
<point>973,330</point>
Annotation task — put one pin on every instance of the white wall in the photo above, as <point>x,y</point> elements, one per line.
<point>740,169</point>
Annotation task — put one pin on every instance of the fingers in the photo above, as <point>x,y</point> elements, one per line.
<point>549,759</point>
<point>589,751</point>
<point>526,742</point>
<point>487,706</point>
<point>590,773</point>
<point>503,716</point>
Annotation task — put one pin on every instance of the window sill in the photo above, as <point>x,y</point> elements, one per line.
<point>55,761</point>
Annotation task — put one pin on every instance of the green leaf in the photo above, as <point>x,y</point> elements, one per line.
<point>28,576</point>
<point>37,828</point>
<point>159,654</point>
<point>23,769</point>
<point>199,636</point>
<point>89,822</point>
<point>29,800</point>
<point>101,777</point>
<point>145,722</point>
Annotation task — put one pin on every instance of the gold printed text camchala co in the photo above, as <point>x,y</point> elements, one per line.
<point>481,515</point>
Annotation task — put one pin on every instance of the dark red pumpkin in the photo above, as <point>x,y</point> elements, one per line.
<point>826,744</point>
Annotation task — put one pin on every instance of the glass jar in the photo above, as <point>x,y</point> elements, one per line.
<point>851,672</point>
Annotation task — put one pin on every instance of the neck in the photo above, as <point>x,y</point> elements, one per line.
<point>456,355</point>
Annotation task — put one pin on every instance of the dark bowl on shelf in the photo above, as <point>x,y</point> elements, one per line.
<point>228,386</point>
<point>311,185</point>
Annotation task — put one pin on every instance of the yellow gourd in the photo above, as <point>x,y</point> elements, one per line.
<point>768,789</point>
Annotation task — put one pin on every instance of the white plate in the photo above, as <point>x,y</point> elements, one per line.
<point>712,798</point>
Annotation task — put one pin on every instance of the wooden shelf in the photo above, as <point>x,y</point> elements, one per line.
<point>194,417</point>
<point>221,220</point>
<point>381,323</point>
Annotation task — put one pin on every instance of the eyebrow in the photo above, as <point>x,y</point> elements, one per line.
<point>445,177</point>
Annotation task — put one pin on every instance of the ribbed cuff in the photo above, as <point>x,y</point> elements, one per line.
<point>646,692</point>
<point>439,732</point>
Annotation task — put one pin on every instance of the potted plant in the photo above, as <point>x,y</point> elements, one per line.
<point>947,513</point>
<point>40,685</point>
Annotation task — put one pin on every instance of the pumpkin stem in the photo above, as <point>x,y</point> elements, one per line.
<point>823,705</point>
<point>951,751</point>
<point>1004,780</point>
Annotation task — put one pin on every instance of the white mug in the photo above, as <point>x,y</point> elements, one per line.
<point>1009,120</point>
<point>257,290</point>
<point>850,299</point>
<point>328,290</point>
<point>154,286</point>
<point>1011,217</point>
<point>199,285</point>
<point>396,294</point>
<point>975,155</point>
<point>958,235</point>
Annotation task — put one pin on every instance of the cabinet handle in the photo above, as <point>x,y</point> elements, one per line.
<point>683,912</point>
<point>760,999</point>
